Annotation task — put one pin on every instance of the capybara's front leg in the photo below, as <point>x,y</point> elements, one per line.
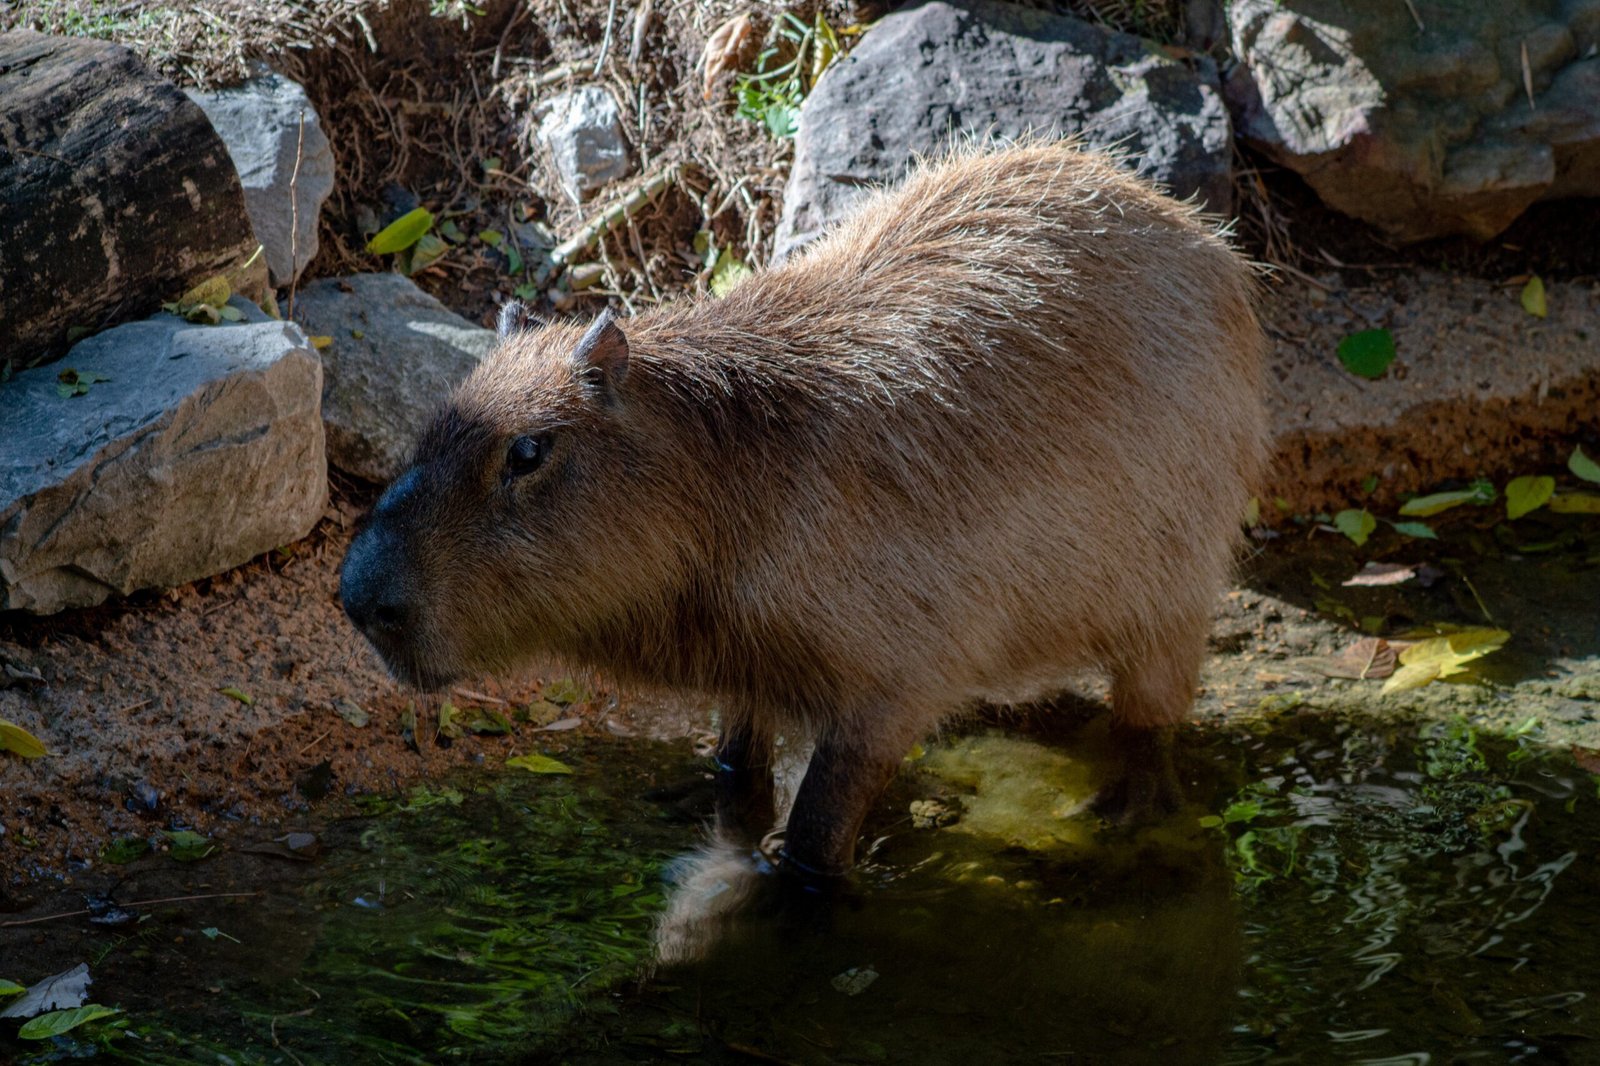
<point>846,775</point>
<point>1149,699</point>
<point>745,810</point>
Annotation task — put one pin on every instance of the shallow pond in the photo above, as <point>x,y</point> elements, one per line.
<point>1340,890</point>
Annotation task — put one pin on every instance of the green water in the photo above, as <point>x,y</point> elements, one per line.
<point>1374,894</point>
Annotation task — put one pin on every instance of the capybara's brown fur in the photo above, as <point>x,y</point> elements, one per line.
<point>999,426</point>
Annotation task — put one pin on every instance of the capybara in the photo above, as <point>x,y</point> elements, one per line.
<point>1000,426</point>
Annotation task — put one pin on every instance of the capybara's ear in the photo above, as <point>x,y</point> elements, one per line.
<point>603,351</point>
<point>515,317</point>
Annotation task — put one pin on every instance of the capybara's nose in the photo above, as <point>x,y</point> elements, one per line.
<point>373,596</point>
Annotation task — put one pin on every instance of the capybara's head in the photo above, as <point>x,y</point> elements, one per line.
<point>494,541</point>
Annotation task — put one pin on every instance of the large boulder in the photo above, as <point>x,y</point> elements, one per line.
<point>932,73</point>
<point>394,354</point>
<point>200,449</point>
<point>115,195</point>
<point>1423,131</point>
<point>261,123</point>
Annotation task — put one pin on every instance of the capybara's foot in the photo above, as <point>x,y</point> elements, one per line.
<point>1139,796</point>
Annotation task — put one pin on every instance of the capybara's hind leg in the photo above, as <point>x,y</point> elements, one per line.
<point>745,807</point>
<point>1149,699</point>
<point>849,770</point>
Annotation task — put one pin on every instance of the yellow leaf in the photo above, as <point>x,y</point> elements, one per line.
<point>212,292</point>
<point>1575,503</point>
<point>1446,656</point>
<point>14,738</point>
<point>1524,494</point>
<point>402,233</point>
<point>538,764</point>
<point>320,341</point>
<point>1533,300</point>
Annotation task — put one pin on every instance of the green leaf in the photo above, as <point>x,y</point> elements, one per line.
<point>492,237</point>
<point>1533,300</point>
<point>423,254</point>
<point>1582,466</point>
<point>1575,503</point>
<point>1528,493</point>
<point>1421,530</point>
<point>212,292</point>
<point>10,988</point>
<point>19,741</point>
<point>729,272</point>
<point>189,846</point>
<point>538,764</point>
<point>564,691</point>
<point>448,726</point>
<point>1367,354</point>
<point>1427,506</point>
<point>1369,483</point>
<point>124,850</point>
<point>237,694</point>
<point>1357,525</point>
<point>402,233</point>
<point>489,722</point>
<point>60,1021</point>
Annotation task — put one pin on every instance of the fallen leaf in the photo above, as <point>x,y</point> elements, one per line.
<point>61,991</point>
<point>189,846</point>
<point>448,726</point>
<point>563,725</point>
<point>729,272</point>
<point>351,712</point>
<point>539,712</point>
<point>57,1022</point>
<point>1582,466</point>
<point>1374,575</point>
<point>1419,530</point>
<point>212,292</point>
<point>1588,759</point>
<point>320,341</point>
<point>1368,658</point>
<point>1426,506</point>
<point>1528,493</point>
<point>1533,300</point>
<point>402,233</point>
<point>565,690</point>
<point>237,694</point>
<point>1440,657</point>
<point>723,50</point>
<point>855,980</point>
<point>10,988</point>
<point>1575,503</point>
<point>1357,525</point>
<point>1368,353</point>
<point>19,741</point>
<point>538,764</point>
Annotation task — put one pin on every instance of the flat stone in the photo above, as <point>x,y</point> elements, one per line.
<point>260,123</point>
<point>943,70</point>
<point>395,355</point>
<point>1477,387</point>
<point>582,133</point>
<point>1423,132</point>
<point>203,449</point>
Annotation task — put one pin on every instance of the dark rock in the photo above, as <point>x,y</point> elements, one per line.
<point>927,74</point>
<point>117,195</point>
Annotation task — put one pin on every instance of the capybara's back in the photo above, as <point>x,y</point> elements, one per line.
<point>1000,425</point>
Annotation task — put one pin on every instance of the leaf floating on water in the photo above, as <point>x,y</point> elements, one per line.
<point>1368,353</point>
<point>1533,299</point>
<point>19,741</point>
<point>57,1022</point>
<point>402,233</point>
<point>1480,492</point>
<point>1357,525</point>
<point>855,980</point>
<point>1575,503</point>
<point>61,991</point>
<point>1369,658</point>
<point>535,763</point>
<point>237,694</point>
<point>1441,657</point>
<point>1525,494</point>
<point>1375,575</point>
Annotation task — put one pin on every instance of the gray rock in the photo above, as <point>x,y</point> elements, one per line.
<point>1424,133</point>
<point>259,121</point>
<point>998,70</point>
<point>202,450</point>
<point>396,353</point>
<point>582,132</point>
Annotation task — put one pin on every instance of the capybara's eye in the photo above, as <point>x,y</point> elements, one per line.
<point>525,455</point>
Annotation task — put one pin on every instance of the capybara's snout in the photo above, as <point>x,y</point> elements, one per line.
<point>378,590</point>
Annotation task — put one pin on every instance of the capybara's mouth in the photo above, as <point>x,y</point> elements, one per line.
<point>407,668</point>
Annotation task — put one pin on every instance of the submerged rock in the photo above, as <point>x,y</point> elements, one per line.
<point>183,451</point>
<point>260,122</point>
<point>394,354</point>
<point>936,72</point>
